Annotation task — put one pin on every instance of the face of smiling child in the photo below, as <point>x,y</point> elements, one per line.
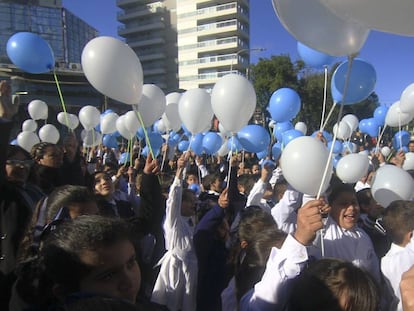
<point>345,210</point>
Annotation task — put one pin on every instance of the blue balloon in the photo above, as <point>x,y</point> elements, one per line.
<point>234,144</point>
<point>337,146</point>
<point>336,159</point>
<point>186,131</point>
<point>254,138</point>
<point>211,143</point>
<point>312,57</point>
<point>379,114</point>
<point>284,104</point>
<point>268,163</point>
<point>402,136</point>
<point>14,142</point>
<point>106,112</point>
<point>361,82</point>
<point>156,141</point>
<point>140,133</point>
<point>110,141</point>
<point>195,188</point>
<point>363,124</point>
<point>372,127</point>
<point>30,52</point>
<point>290,135</point>
<point>183,145</point>
<point>326,135</point>
<point>280,128</point>
<point>145,151</point>
<point>348,146</point>
<point>276,151</point>
<point>197,143</point>
<point>262,154</point>
<point>124,158</point>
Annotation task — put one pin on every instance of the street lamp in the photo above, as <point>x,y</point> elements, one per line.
<point>245,50</point>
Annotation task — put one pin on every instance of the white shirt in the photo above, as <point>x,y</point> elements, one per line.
<point>283,264</point>
<point>395,263</point>
<point>284,212</point>
<point>352,245</point>
<point>176,283</point>
<point>256,196</point>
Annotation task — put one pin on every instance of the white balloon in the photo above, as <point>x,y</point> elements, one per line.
<point>303,162</point>
<point>171,117</point>
<point>407,99</point>
<point>343,131</point>
<point>132,122</point>
<point>301,126</point>
<point>233,100</point>
<point>384,15</point>
<point>29,125</point>
<point>272,124</point>
<point>391,183</point>
<point>152,104</point>
<point>38,109</point>
<point>409,161</point>
<point>224,149</point>
<point>352,167</point>
<point>313,24</point>
<point>352,121</point>
<point>395,117</point>
<point>92,138</point>
<point>114,69</point>
<point>385,151</point>
<point>27,140</point>
<point>122,129</point>
<point>68,119</point>
<point>161,126</point>
<point>195,110</point>
<point>222,130</point>
<point>49,133</point>
<point>108,123</point>
<point>89,117</point>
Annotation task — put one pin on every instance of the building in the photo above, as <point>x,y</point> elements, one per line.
<point>186,44</point>
<point>67,35</point>
<point>149,28</point>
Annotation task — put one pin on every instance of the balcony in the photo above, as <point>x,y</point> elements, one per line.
<point>146,41</point>
<point>123,30</point>
<point>141,11</point>
<point>152,56</point>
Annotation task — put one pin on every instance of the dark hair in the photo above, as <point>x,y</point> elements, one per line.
<point>14,149</point>
<point>325,282</point>
<point>364,196</point>
<point>61,252</point>
<point>46,209</point>
<point>38,151</point>
<point>209,179</point>
<point>101,304</point>
<point>247,181</point>
<point>253,258</point>
<point>339,188</point>
<point>398,219</point>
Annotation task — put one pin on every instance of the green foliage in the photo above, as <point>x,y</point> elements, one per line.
<point>268,75</point>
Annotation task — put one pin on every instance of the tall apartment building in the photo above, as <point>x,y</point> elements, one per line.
<point>187,43</point>
<point>213,40</point>
<point>149,28</point>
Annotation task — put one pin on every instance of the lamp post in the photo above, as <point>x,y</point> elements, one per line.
<point>245,50</point>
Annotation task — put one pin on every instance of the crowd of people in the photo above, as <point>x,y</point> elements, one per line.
<point>85,230</point>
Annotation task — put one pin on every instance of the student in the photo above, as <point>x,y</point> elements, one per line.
<point>176,284</point>
<point>399,224</point>
<point>326,285</point>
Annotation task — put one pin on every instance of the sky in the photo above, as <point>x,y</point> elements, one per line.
<point>391,55</point>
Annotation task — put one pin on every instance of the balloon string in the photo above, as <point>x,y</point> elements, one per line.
<point>329,116</point>
<point>164,156</point>
<point>380,137</point>
<point>61,99</point>
<point>325,93</point>
<point>325,173</point>
<point>399,129</point>
<point>145,130</point>
<point>93,137</point>
<point>131,151</point>
<point>229,160</point>
<point>128,146</point>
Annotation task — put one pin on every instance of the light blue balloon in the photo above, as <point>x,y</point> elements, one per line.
<point>335,160</point>
<point>262,154</point>
<point>254,138</point>
<point>183,145</point>
<point>197,143</point>
<point>379,114</point>
<point>234,145</point>
<point>403,137</point>
<point>124,158</point>
<point>348,146</point>
<point>30,52</point>
<point>363,125</point>
<point>211,143</point>
<point>110,141</point>
<point>280,128</point>
<point>284,104</point>
<point>290,135</point>
<point>361,82</point>
<point>276,151</point>
<point>312,57</point>
<point>337,146</point>
<point>14,142</point>
<point>372,127</point>
<point>195,188</point>
<point>156,141</point>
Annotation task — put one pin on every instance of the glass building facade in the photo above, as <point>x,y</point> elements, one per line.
<point>65,32</point>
